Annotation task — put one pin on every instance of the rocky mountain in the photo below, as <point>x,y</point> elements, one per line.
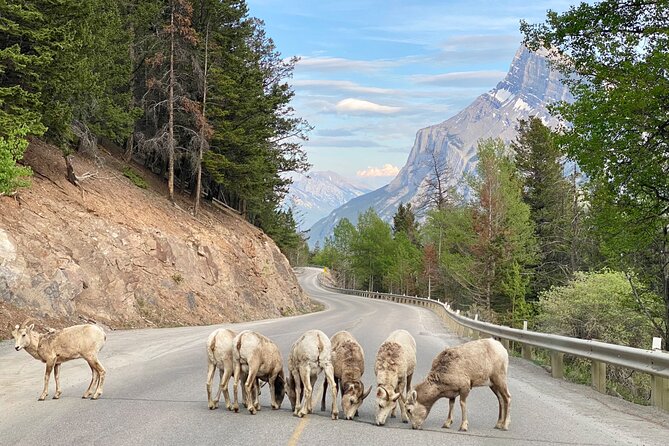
<point>127,257</point>
<point>316,194</point>
<point>529,86</point>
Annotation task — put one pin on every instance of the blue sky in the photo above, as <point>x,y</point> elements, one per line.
<point>374,72</point>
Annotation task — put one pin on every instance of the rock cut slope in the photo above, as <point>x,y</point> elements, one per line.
<point>127,257</point>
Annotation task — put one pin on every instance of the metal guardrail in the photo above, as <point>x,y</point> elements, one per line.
<point>653,362</point>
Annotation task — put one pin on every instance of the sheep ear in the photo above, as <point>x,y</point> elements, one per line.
<point>380,392</point>
<point>413,396</point>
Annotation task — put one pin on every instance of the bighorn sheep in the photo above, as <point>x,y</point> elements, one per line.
<point>348,361</point>
<point>310,355</point>
<point>219,355</point>
<point>257,357</point>
<point>56,347</point>
<point>394,367</point>
<point>455,371</point>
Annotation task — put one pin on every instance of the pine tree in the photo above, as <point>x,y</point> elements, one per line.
<point>547,193</point>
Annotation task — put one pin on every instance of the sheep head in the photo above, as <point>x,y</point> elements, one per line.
<point>385,403</point>
<point>416,411</point>
<point>354,395</point>
<point>21,336</point>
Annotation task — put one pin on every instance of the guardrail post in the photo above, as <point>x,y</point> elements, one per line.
<point>599,376</point>
<point>526,350</point>
<point>557,365</point>
<point>659,392</point>
<point>505,343</point>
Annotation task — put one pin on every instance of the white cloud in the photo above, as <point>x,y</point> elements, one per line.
<point>388,170</point>
<point>320,85</point>
<point>460,77</point>
<point>351,105</point>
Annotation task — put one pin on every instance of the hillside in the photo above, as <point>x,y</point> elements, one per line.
<point>127,257</point>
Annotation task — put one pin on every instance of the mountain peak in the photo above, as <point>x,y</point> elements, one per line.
<point>527,89</point>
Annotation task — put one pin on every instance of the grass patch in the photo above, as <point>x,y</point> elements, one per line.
<point>135,177</point>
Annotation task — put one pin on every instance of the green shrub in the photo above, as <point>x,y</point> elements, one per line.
<point>12,148</point>
<point>135,177</point>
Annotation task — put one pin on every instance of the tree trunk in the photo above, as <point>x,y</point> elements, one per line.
<point>198,178</point>
<point>170,100</point>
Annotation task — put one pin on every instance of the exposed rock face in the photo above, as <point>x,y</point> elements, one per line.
<point>127,257</point>
<point>527,89</point>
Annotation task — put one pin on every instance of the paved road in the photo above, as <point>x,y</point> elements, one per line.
<point>155,393</point>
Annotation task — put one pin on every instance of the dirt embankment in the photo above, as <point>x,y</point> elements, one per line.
<point>128,257</point>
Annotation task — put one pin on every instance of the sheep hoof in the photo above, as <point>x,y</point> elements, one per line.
<point>252,410</point>
<point>463,428</point>
<point>447,424</point>
<point>41,398</point>
<point>55,397</point>
<point>301,414</point>
<point>228,406</point>
<point>335,415</point>
<point>275,407</point>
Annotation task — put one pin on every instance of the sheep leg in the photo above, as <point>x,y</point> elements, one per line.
<point>272,392</point>
<point>56,376</point>
<point>463,408</point>
<point>101,379</point>
<point>298,392</point>
<point>325,388</point>
<point>500,416</point>
<point>211,368</point>
<point>305,375</point>
<point>220,387</point>
<point>329,377</point>
<point>47,377</point>
<point>506,396</point>
<point>449,419</point>
<point>237,374</point>
<point>227,372</point>
<point>256,394</point>
<point>314,378</point>
<point>94,380</point>
<point>401,390</point>
<point>249,388</point>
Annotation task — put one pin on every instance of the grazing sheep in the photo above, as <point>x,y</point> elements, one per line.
<point>56,347</point>
<point>394,367</point>
<point>310,355</point>
<point>348,361</point>
<point>256,357</point>
<point>455,371</point>
<point>219,355</point>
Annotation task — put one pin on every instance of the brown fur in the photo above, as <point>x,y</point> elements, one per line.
<point>57,347</point>
<point>455,371</point>
<point>219,356</point>
<point>348,359</point>
<point>394,367</point>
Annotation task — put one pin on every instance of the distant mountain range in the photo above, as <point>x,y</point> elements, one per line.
<point>316,194</point>
<point>527,89</point>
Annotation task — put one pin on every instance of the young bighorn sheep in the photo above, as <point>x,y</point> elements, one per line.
<point>219,355</point>
<point>394,367</point>
<point>455,371</point>
<point>348,361</point>
<point>309,356</point>
<point>257,358</point>
<point>56,347</point>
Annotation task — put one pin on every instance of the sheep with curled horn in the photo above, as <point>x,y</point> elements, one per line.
<point>455,371</point>
<point>348,361</point>
<point>394,367</point>
<point>59,346</point>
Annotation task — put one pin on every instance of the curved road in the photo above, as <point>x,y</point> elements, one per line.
<point>155,393</point>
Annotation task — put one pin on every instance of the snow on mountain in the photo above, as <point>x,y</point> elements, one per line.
<point>528,88</point>
<point>316,194</point>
